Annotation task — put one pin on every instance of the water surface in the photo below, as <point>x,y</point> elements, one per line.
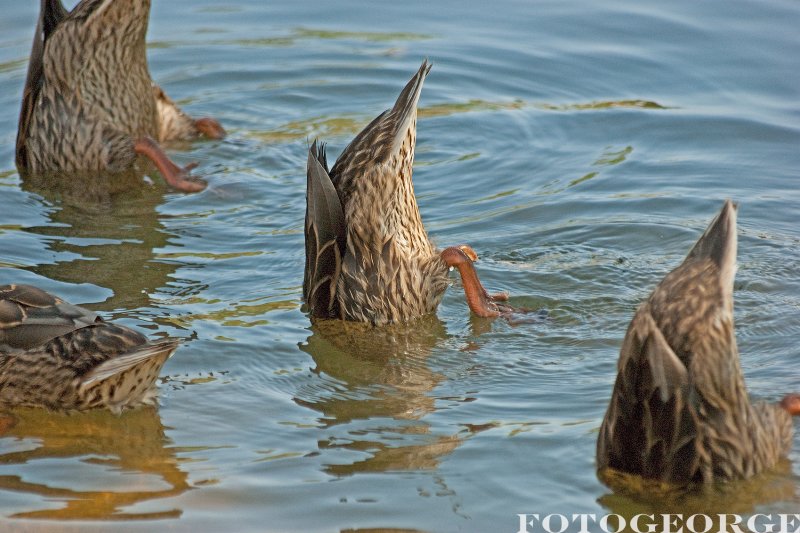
<point>579,147</point>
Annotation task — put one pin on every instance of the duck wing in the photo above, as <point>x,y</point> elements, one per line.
<point>648,429</point>
<point>29,317</point>
<point>116,366</point>
<point>325,237</point>
<point>51,14</point>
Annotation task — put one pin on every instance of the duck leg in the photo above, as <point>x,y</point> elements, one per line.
<point>174,124</point>
<point>174,175</point>
<point>209,127</point>
<point>480,302</point>
<point>791,403</point>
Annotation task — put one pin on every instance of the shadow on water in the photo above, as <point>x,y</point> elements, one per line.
<point>104,230</point>
<point>633,495</point>
<point>108,463</point>
<point>378,374</point>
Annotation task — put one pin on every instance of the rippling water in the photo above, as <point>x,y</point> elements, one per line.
<point>580,147</point>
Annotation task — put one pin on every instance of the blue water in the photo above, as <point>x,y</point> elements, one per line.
<point>580,147</point>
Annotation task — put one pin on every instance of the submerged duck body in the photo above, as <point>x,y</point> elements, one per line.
<point>64,357</point>
<point>368,256</point>
<point>680,411</point>
<point>89,103</point>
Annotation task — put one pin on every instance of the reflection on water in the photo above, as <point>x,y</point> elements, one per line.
<point>634,495</point>
<point>107,464</point>
<point>379,373</point>
<point>107,228</point>
<point>387,363</point>
<point>578,146</point>
<point>102,230</point>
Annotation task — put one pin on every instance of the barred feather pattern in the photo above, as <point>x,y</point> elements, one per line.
<point>680,410</point>
<point>89,94</point>
<point>70,370</point>
<point>390,270</point>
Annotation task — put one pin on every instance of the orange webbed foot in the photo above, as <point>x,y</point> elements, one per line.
<point>791,402</point>
<point>480,302</point>
<point>499,296</point>
<point>175,176</point>
<point>210,127</point>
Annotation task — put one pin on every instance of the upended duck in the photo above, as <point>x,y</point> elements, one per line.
<point>89,103</point>
<point>368,256</point>
<point>64,357</point>
<point>680,411</point>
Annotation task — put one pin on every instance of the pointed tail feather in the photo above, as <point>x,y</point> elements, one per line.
<point>123,363</point>
<point>381,138</point>
<point>51,14</point>
<point>325,236</point>
<point>719,243</point>
<point>405,108</point>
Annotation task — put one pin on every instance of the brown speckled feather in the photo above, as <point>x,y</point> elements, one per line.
<point>88,95</point>
<point>390,271</point>
<point>173,123</point>
<point>680,411</point>
<point>61,356</point>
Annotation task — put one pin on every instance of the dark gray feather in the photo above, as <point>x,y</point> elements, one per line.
<point>51,14</point>
<point>325,237</point>
<point>29,317</point>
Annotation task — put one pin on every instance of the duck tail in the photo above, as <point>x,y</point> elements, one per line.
<point>325,236</point>
<point>116,366</point>
<point>51,13</point>
<point>127,380</point>
<point>405,108</point>
<point>719,244</point>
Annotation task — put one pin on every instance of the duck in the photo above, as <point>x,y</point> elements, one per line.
<point>368,256</point>
<point>680,411</point>
<point>89,103</point>
<point>64,357</point>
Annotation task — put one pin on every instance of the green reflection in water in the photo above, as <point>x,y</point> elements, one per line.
<point>372,36</point>
<point>236,315</point>
<point>603,104</point>
<point>380,373</point>
<point>103,230</point>
<point>322,127</point>
<point>470,106</point>
<point>326,127</point>
<point>15,64</point>
<point>632,495</point>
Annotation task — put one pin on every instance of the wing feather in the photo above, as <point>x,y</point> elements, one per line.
<point>51,14</point>
<point>119,364</point>
<point>325,237</point>
<point>29,317</point>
